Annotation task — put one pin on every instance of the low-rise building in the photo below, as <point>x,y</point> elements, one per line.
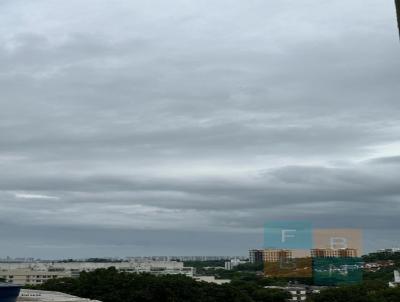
<point>28,276</point>
<point>40,272</point>
<point>377,265</point>
<point>298,292</point>
<point>211,279</point>
<point>232,263</point>
<point>390,251</point>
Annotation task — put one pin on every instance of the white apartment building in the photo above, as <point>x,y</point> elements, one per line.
<point>390,251</point>
<point>39,272</point>
<point>233,263</point>
<point>298,293</point>
<point>28,276</point>
<point>212,279</point>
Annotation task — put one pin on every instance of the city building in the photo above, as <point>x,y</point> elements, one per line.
<point>276,255</point>
<point>39,272</point>
<point>334,253</point>
<point>183,258</point>
<point>28,276</point>
<point>269,255</point>
<point>233,263</point>
<point>377,265</point>
<point>298,292</point>
<point>389,251</point>
<point>211,279</point>
<point>256,256</point>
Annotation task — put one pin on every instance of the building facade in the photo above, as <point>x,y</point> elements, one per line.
<point>256,256</point>
<point>40,272</point>
<point>232,263</point>
<point>269,255</point>
<point>334,253</point>
<point>276,255</point>
<point>31,277</point>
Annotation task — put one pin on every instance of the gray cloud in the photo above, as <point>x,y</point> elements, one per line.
<point>204,117</point>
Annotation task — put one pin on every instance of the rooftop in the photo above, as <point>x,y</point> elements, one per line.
<point>5,284</point>
<point>46,296</point>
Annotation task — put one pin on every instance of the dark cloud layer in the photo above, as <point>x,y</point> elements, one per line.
<point>138,122</point>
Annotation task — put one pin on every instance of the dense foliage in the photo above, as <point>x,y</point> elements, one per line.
<point>380,256</point>
<point>253,273</point>
<point>108,285</point>
<point>383,275</point>
<point>250,267</point>
<point>366,292</point>
<point>203,264</point>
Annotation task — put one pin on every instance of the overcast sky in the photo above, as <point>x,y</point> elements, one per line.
<point>180,127</point>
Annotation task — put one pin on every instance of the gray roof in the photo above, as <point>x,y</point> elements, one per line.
<point>4,284</point>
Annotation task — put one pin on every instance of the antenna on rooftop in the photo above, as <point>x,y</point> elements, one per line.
<point>397,2</point>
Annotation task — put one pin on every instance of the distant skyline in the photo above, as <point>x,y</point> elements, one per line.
<point>179,127</point>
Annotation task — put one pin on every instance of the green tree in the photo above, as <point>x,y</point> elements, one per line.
<point>109,285</point>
